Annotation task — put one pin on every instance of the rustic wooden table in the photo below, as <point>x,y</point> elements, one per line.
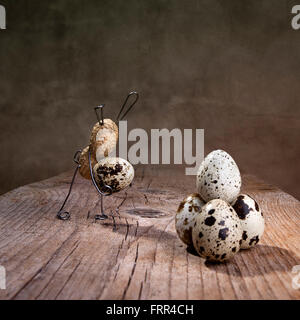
<point>136,253</point>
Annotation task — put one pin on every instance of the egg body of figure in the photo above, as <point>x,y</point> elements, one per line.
<point>84,168</point>
<point>104,138</point>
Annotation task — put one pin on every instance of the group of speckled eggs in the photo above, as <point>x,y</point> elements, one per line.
<point>114,172</point>
<point>219,221</point>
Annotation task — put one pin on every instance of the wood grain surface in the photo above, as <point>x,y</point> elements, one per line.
<point>136,254</point>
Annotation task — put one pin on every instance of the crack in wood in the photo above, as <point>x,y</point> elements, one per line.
<point>159,238</point>
<point>68,279</point>
<point>53,275</point>
<point>136,229</point>
<point>146,212</point>
<point>114,224</point>
<point>132,272</point>
<point>127,229</point>
<point>146,198</point>
<point>122,202</point>
<point>140,292</point>
<point>46,264</point>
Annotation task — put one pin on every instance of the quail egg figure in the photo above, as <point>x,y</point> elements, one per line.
<point>218,177</point>
<point>188,209</point>
<point>217,231</point>
<point>84,168</point>
<point>117,173</point>
<point>104,138</point>
<point>251,220</point>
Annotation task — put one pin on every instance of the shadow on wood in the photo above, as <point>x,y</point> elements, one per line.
<point>266,259</point>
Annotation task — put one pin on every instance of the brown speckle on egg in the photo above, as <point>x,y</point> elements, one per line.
<point>223,233</point>
<point>210,221</point>
<point>251,220</point>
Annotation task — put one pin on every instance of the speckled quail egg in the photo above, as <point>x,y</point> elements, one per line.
<point>185,217</point>
<point>218,177</point>
<point>251,220</point>
<point>115,172</point>
<point>104,138</point>
<point>217,231</point>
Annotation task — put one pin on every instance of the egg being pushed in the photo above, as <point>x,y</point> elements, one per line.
<point>251,220</point>
<point>217,231</point>
<point>188,209</point>
<point>117,173</point>
<point>218,177</point>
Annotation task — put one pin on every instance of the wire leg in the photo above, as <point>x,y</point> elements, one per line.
<point>101,216</point>
<point>63,214</point>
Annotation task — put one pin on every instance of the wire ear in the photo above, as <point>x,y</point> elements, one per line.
<point>133,93</point>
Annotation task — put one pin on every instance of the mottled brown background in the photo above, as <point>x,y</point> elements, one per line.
<point>231,67</point>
